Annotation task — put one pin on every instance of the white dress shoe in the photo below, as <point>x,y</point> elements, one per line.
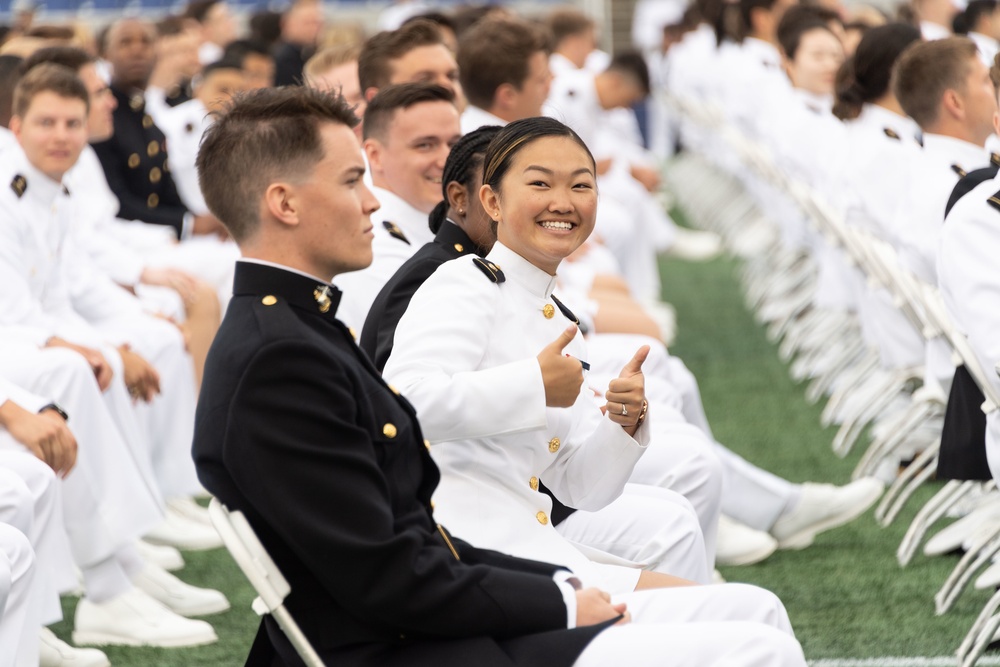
<point>694,246</point>
<point>189,509</point>
<point>178,596</point>
<point>182,533</point>
<point>135,619</point>
<point>737,544</point>
<point>54,652</point>
<point>957,534</point>
<point>168,558</point>
<point>822,507</point>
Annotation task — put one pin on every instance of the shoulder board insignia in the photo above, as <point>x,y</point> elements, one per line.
<point>66,191</point>
<point>994,201</point>
<point>995,159</point>
<point>968,183</point>
<point>889,132</point>
<point>189,128</point>
<point>958,170</point>
<point>395,231</point>
<point>491,270</point>
<point>19,185</point>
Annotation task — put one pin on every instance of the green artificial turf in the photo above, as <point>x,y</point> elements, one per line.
<point>846,595</point>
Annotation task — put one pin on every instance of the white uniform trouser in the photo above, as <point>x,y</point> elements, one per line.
<point>651,526</point>
<point>19,622</point>
<point>749,494</point>
<point>30,501</point>
<point>107,500</point>
<point>734,625</point>
<point>168,419</point>
<point>208,258</point>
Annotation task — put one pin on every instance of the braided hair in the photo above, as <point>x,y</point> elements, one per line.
<point>463,160</point>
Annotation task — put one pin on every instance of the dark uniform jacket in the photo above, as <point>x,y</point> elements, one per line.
<point>135,164</point>
<point>296,429</point>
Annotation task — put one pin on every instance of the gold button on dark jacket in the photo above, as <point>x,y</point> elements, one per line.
<point>269,300</point>
<point>153,149</point>
<point>554,445</point>
<point>155,175</point>
<point>153,200</point>
<point>133,160</point>
<point>389,431</point>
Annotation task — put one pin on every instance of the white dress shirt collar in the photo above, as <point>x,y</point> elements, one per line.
<point>521,271</point>
<point>283,267</point>
<point>38,186</point>
<point>963,154</point>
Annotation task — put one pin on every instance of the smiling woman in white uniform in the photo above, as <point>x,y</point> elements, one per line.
<point>477,326</point>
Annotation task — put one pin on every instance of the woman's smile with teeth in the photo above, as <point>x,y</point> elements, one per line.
<point>556,224</point>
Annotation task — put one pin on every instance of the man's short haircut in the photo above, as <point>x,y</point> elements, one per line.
<point>55,32</point>
<point>10,73</point>
<point>277,131</point>
<point>568,22</point>
<point>632,64</point>
<point>391,99</point>
<point>52,78</point>
<point>926,70</point>
<point>377,54</point>
<point>218,65</point>
<point>199,9</point>
<point>494,52</point>
<point>330,57</point>
<point>69,57</point>
<point>241,48</point>
<point>439,19</point>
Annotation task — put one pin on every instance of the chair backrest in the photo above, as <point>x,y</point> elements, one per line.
<point>272,588</point>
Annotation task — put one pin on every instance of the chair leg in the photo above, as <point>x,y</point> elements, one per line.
<point>918,472</point>
<point>916,415</point>
<point>981,633</point>
<point>933,509</point>
<point>970,562</point>
<point>852,379</point>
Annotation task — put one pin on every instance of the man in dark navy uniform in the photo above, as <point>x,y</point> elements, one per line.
<point>297,429</point>
<point>135,158</point>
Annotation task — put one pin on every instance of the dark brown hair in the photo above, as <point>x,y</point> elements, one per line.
<point>515,136</point>
<point>391,99</point>
<point>568,22</point>
<point>924,72</point>
<point>374,63</point>
<point>48,77</point>
<point>69,57</point>
<point>496,51</point>
<point>864,77</point>
<point>266,135</point>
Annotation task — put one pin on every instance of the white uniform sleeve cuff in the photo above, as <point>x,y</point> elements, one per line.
<point>568,586</point>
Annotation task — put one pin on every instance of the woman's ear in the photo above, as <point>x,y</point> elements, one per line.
<point>458,197</point>
<point>490,201</point>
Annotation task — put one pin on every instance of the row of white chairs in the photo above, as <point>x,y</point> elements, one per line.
<point>827,348</point>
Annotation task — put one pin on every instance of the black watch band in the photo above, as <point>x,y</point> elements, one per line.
<point>58,410</point>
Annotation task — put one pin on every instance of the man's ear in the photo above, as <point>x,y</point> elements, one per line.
<point>281,203</point>
<point>952,104</point>
<point>15,126</point>
<point>504,95</point>
<point>373,151</point>
<point>370,93</point>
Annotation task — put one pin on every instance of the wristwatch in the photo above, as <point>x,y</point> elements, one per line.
<point>55,408</point>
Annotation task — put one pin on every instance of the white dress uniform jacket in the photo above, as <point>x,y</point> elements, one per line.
<point>462,322</point>
<point>970,285</point>
<point>399,231</point>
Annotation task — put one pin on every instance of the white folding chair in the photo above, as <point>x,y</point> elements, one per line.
<point>272,588</point>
